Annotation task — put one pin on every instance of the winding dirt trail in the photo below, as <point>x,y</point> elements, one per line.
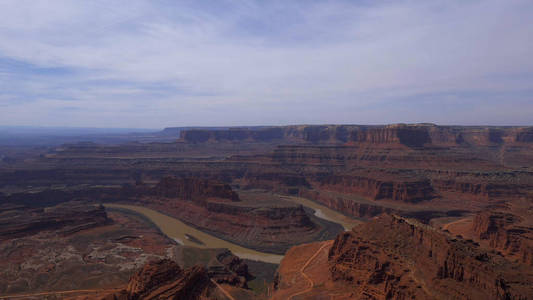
<point>311,283</point>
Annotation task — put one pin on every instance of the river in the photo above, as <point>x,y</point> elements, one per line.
<point>177,230</point>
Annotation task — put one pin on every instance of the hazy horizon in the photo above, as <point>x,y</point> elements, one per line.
<point>158,64</point>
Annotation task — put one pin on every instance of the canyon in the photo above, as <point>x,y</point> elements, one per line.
<point>437,211</point>
<point>215,208</point>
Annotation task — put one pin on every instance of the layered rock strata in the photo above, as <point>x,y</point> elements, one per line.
<point>67,218</point>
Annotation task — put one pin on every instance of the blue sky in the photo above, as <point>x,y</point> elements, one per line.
<point>154,64</point>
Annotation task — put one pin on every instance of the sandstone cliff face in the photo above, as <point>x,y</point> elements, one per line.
<point>393,257</point>
<point>66,218</point>
<point>504,233</point>
<point>164,279</point>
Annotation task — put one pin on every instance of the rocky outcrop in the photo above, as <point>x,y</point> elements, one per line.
<point>230,269</point>
<point>504,233</point>
<point>164,279</point>
<point>67,218</point>
<point>395,258</point>
<point>151,275</point>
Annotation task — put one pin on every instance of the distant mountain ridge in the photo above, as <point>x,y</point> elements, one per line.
<point>411,135</point>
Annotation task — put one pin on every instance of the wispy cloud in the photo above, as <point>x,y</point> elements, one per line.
<point>164,63</point>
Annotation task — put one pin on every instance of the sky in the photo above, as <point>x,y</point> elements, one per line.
<point>154,64</point>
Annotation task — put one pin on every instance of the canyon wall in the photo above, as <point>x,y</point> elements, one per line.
<point>410,135</point>
<point>394,257</point>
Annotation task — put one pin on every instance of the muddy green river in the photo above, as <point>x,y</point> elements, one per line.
<point>178,231</point>
<point>182,232</point>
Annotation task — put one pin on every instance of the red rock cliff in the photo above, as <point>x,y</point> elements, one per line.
<point>395,258</point>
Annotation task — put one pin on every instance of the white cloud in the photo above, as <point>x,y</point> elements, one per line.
<point>259,62</point>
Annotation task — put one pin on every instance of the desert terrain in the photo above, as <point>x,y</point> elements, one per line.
<point>401,211</point>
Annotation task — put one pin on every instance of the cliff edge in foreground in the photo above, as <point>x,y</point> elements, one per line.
<point>391,257</point>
